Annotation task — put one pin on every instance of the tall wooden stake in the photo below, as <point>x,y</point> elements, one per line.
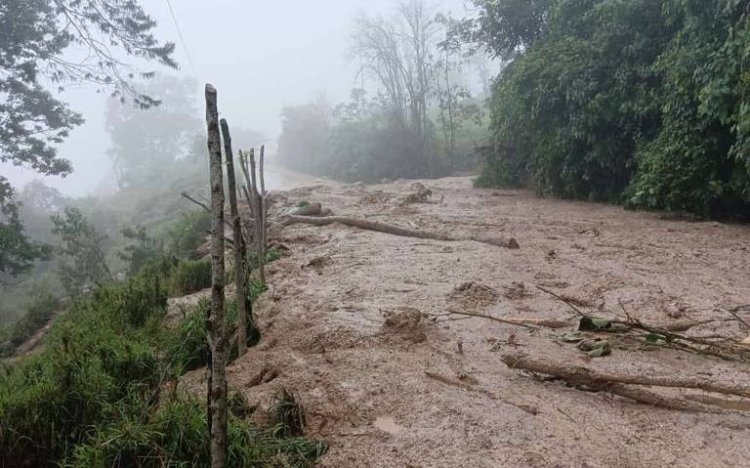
<point>258,213</point>
<point>264,215</point>
<point>239,251</point>
<point>216,322</point>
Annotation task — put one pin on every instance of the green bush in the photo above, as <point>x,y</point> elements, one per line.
<point>190,276</point>
<point>635,101</point>
<point>187,234</point>
<point>93,397</point>
<point>92,364</point>
<point>177,435</point>
<point>38,314</point>
<point>187,348</point>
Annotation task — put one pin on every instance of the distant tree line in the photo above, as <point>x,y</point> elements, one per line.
<point>418,119</point>
<point>643,102</point>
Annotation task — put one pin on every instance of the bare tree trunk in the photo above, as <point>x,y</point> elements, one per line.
<point>239,251</point>
<point>216,322</point>
<point>258,213</point>
<point>263,216</point>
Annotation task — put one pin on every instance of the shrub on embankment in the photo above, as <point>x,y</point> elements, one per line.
<point>99,394</point>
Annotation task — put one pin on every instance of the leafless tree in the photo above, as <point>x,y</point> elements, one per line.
<point>400,56</point>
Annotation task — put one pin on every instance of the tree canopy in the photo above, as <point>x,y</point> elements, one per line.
<point>635,101</point>
<point>39,40</point>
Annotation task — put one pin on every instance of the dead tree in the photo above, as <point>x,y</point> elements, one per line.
<point>239,251</point>
<point>216,321</point>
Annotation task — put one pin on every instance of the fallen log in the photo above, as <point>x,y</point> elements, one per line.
<point>654,399</point>
<point>377,226</point>
<point>531,323</point>
<point>586,376</point>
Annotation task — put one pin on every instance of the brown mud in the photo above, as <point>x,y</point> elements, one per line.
<point>357,325</point>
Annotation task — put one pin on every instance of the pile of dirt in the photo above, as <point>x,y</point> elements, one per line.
<point>420,194</point>
<point>472,295</point>
<point>405,324</point>
<point>375,198</point>
<point>516,291</point>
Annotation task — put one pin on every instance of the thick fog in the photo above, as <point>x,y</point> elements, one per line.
<point>261,56</point>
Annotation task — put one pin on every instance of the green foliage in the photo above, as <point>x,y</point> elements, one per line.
<point>631,100</point>
<point>190,276</point>
<point>93,363</point>
<point>288,415</point>
<point>82,261</point>
<point>188,233</point>
<point>361,140</point>
<point>141,251</point>
<point>38,314</point>
<point>272,255</point>
<point>700,160</point>
<point>35,36</point>
<point>94,395</point>
<point>17,252</point>
<point>187,347</point>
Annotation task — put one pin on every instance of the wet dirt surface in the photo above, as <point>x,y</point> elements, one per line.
<point>388,378</point>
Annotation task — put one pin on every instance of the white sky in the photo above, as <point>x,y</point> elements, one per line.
<point>260,55</point>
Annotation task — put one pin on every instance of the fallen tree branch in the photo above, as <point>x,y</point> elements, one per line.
<point>584,375</point>
<point>665,335</point>
<point>565,300</point>
<point>734,313</point>
<point>531,323</point>
<point>199,203</point>
<point>390,229</point>
<point>205,207</point>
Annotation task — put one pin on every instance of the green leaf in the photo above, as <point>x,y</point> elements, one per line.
<point>654,338</point>
<point>604,349</point>
<point>572,337</point>
<point>594,324</point>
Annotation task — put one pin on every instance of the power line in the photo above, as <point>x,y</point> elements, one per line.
<point>179,34</point>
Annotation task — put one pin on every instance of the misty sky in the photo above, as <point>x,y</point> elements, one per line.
<point>260,55</point>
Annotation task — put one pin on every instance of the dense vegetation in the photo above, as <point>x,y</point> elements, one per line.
<point>103,392</point>
<point>637,101</point>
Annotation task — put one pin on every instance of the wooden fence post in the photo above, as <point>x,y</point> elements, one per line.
<point>239,250</point>
<point>216,321</point>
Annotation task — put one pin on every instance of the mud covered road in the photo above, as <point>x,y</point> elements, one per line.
<point>355,324</point>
